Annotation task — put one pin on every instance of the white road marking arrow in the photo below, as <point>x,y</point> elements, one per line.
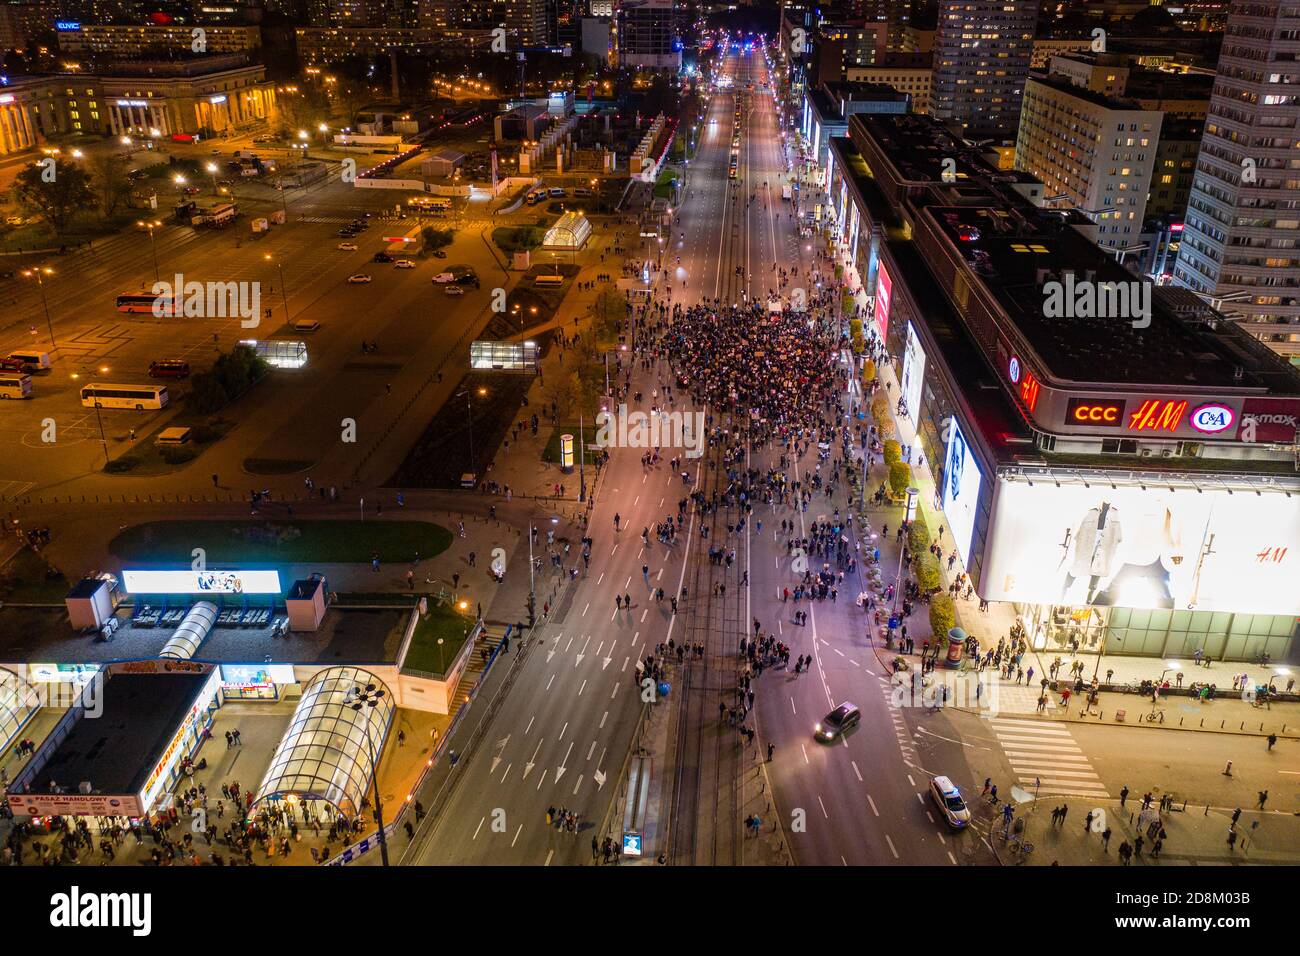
<point>501,746</point>
<point>599,777</point>
<point>530,765</point>
<point>560,771</point>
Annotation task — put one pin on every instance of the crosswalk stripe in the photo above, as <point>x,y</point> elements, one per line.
<point>1061,786</point>
<point>1059,771</point>
<point>1039,728</point>
<point>1070,791</point>
<point>1016,740</point>
<point>1048,755</point>
<point>1070,748</point>
<point>1016,722</point>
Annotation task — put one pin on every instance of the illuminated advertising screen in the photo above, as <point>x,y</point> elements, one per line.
<point>961,490</point>
<point>884,294</point>
<point>257,674</point>
<point>201,582</point>
<point>913,370</point>
<point>1126,547</point>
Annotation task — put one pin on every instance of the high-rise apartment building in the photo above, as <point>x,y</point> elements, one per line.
<point>1095,150</point>
<point>648,34</point>
<point>1243,217</point>
<point>982,52</point>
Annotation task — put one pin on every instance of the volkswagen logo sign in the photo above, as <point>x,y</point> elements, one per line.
<point>1013,370</point>
<point>1212,419</point>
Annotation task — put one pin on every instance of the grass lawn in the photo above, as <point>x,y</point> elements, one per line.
<point>518,238</point>
<point>444,622</point>
<point>26,579</point>
<point>552,451</point>
<point>441,455</point>
<point>82,228</point>
<point>144,457</point>
<point>248,543</point>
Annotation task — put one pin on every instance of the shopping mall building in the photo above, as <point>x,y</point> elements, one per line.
<point>119,688</point>
<point>1117,461</point>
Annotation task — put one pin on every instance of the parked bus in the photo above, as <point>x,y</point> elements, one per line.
<point>548,280</point>
<point>144,302</point>
<point>430,203</point>
<point>15,385</point>
<point>139,397</point>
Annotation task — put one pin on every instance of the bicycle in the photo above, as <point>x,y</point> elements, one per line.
<point>1156,716</point>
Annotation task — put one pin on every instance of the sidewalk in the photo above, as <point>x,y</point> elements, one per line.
<point>1197,835</point>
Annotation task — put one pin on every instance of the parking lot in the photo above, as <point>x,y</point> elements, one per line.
<point>296,266</point>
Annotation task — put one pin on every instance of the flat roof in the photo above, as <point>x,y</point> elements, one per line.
<point>1059,83</point>
<point>1000,422</point>
<point>918,147</point>
<point>1007,256</point>
<point>348,635</point>
<point>116,751</point>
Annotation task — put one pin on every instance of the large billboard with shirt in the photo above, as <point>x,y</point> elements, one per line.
<point>1185,549</point>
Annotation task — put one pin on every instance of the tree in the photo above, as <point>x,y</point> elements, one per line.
<point>926,570</point>
<point>435,238</point>
<point>868,371</point>
<point>943,616</point>
<point>305,109</point>
<point>109,181</point>
<point>54,192</point>
<point>566,391</point>
<point>900,477</point>
<point>893,451</point>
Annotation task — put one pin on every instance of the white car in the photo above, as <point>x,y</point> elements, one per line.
<point>346,247</point>
<point>359,279</point>
<point>404,264</point>
<point>454,290</point>
<point>948,799</point>
<point>442,277</point>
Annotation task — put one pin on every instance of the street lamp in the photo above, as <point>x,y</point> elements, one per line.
<point>149,226</point>
<point>103,439</point>
<point>469,421</point>
<point>369,698</point>
<point>37,274</point>
<point>212,168</point>
<point>284,292</point>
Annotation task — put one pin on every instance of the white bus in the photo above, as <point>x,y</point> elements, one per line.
<point>15,385</point>
<point>139,397</point>
<point>430,203</point>
<point>548,280</point>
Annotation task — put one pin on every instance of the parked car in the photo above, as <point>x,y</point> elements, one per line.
<point>404,264</point>
<point>305,325</point>
<point>454,290</point>
<point>359,279</point>
<point>346,247</point>
<point>438,254</point>
<point>381,257</point>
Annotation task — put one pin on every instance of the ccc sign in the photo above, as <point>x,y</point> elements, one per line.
<point>1106,413</point>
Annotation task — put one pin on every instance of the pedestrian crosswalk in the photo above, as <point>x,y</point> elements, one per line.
<point>340,220</point>
<point>1046,758</point>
